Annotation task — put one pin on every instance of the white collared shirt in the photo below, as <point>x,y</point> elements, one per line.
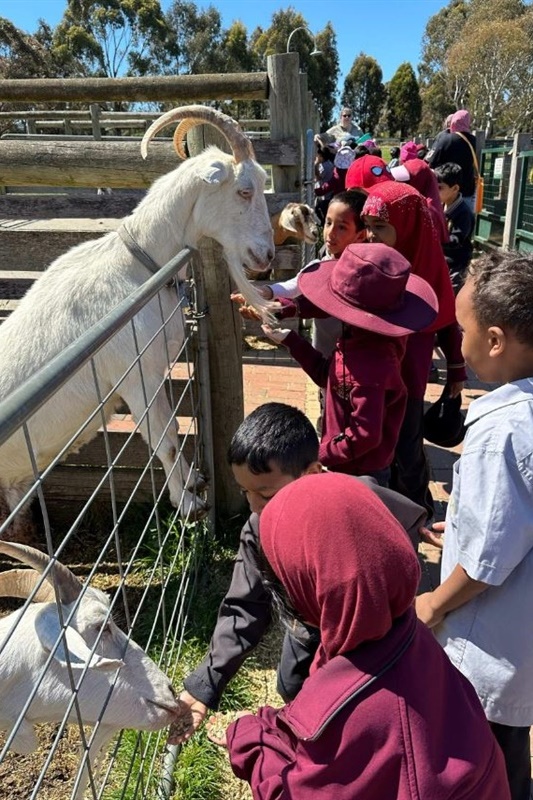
<point>489,532</point>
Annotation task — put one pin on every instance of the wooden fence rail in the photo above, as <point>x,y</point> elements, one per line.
<point>174,88</point>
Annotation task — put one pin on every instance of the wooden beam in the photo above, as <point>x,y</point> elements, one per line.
<point>105,163</point>
<point>167,88</point>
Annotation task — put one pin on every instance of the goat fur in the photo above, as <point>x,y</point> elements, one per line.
<point>107,667</point>
<point>208,195</point>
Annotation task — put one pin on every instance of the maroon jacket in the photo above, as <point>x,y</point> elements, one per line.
<point>365,398</point>
<point>416,732</point>
<point>384,715</point>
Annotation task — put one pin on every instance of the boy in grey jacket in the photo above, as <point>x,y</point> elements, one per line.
<point>274,445</point>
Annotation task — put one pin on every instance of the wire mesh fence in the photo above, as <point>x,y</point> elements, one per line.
<point>524,218</point>
<point>92,644</point>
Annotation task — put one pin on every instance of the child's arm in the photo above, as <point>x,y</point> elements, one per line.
<point>308,357</point>
<point>457,589</point>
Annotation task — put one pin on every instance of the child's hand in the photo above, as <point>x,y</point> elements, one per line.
<point>455,389</point>
<point>217,725</point>
<point>193,716</point>
<point>277,335</point>
<point>434,535</point>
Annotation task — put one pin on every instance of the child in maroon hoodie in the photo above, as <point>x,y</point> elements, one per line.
<point>383,715</point>
<point>370,289</point>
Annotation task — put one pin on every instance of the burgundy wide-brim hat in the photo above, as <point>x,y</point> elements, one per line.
<point>370,286</point>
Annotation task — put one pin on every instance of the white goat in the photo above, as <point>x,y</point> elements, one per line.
<point>215,195</point>
<point>118,672</point>
<point>295,220</point>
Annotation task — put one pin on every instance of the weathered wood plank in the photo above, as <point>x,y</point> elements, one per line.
<point>15,283</point>
<point>116,164</point>
<point>173,88</point>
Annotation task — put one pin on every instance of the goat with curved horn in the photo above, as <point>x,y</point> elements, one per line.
<point>214,195</point>
<point>202,115</point>
<point>68,584</point>
<point>22,582</point>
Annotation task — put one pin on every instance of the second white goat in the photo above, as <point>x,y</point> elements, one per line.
<point>117,684</point>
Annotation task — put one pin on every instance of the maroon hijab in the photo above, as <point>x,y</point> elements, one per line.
<point>416,239</point>
<point>422,177</point>
<point>345,562</point>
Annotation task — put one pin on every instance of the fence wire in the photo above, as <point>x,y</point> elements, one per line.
<point>524,221</point>
<point>104,512</point>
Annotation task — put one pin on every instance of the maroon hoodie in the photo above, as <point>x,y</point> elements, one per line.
<point>384,715</point>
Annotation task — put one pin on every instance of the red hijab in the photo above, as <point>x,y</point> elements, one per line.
<point>416,239</point>
<point>422,177</point>
<point>345,562</point>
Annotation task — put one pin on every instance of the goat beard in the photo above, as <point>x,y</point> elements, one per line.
<point>265,308</point>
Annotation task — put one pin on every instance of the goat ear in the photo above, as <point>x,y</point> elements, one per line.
<point>48,632</point>
<point>216,172</point>
<point>288,221</point>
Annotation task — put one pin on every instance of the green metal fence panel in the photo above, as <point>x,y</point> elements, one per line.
<point>495,167</point>
<point>524,222</point>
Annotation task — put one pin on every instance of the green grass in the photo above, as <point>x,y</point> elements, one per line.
<point>136,771</point>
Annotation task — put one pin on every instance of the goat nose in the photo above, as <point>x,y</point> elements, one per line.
<point>270,255</point>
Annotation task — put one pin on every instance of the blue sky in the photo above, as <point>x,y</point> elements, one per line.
<point>389,30</point>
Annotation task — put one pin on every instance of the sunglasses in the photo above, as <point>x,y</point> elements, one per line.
<point>347,115</point>
<point>375,170</point>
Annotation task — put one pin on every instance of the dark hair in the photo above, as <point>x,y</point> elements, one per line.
<point>395,152</point>
<point>374,151</point>
<point>326,153</point>
<point>355,199</point>
<point>275,433</point>
<point>451,174</point>
<point>281,601</point>
<point>360,151</point>
<point>503,292</point>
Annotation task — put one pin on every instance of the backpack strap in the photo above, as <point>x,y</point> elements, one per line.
<point>465,139</point>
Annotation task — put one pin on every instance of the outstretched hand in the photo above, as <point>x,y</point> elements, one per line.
<point>277,335</point>
<point>217,726</point>
<point>247,311</point>
<point>197,713</point>
<point>433,535</point>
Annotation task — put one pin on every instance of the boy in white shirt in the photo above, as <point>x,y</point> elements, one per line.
<point>482,611</point>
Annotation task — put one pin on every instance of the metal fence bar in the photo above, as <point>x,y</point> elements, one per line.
<point>170,573</point>
<point>29,397</point>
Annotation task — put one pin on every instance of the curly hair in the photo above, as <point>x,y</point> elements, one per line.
<point>503,292</point>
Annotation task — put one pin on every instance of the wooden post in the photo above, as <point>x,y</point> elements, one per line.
<point>225,373</point>
<point>522,141</point>
<point>95,121</point>
<point>225,349</point>
<point>284,100</point>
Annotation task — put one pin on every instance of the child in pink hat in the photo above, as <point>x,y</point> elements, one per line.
<point>370,289</point>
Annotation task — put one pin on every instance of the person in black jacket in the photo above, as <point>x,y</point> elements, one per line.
<point>453,146</point>
<point>460,221</point>
<point>273,446</point>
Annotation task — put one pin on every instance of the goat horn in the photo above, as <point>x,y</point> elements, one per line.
<point>240,144</point>
<point>67,583</point>
<point>180,133</point>
<point>21,583</point>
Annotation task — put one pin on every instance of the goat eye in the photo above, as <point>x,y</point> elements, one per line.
<point>245,193</point>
